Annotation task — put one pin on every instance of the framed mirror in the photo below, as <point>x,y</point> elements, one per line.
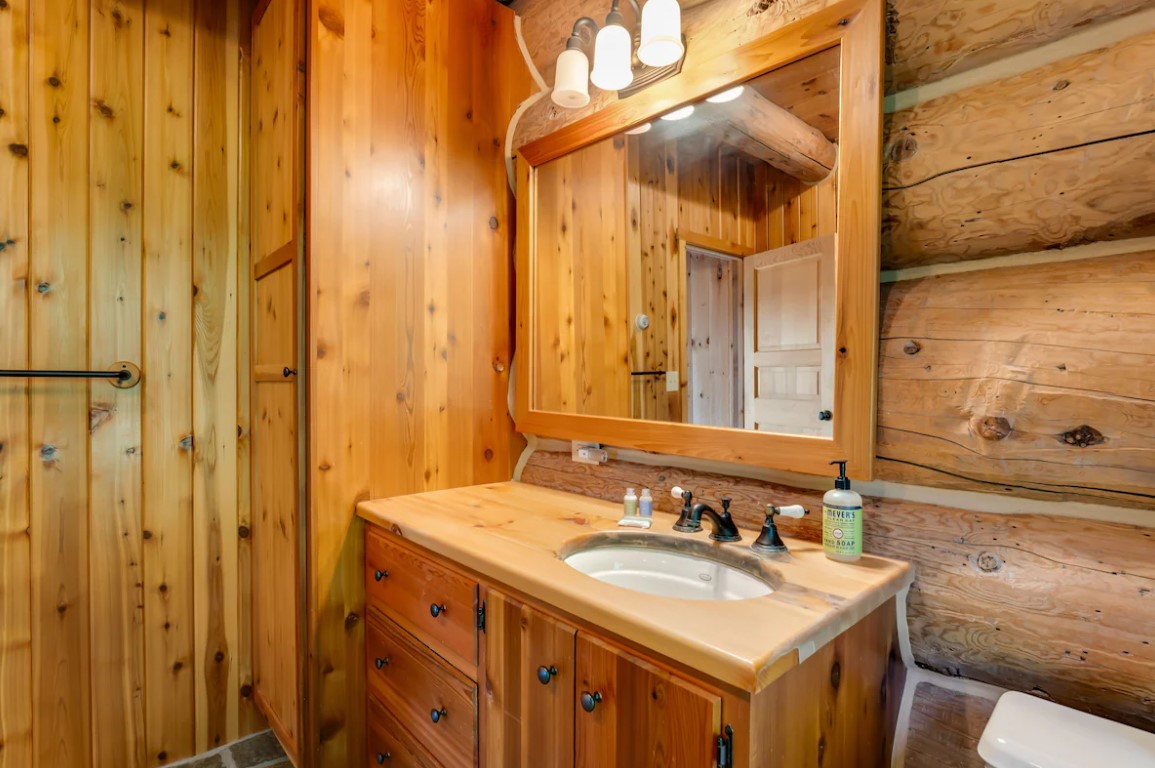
<point>698,264</point>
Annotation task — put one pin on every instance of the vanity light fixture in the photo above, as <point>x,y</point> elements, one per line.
<point>726,96</point>
<point>679,114</point>
<point>660,51</point>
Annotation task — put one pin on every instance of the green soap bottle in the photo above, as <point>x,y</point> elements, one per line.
<point>842,520</point>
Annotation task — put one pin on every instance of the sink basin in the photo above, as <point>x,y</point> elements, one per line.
<point>668,567</point>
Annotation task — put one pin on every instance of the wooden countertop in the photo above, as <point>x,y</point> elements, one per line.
<point>511,533</point>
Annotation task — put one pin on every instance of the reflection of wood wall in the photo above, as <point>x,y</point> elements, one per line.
<point>709,195</point>
<point>582,283</point>
<point>124,609</point>
<point>409,284</point>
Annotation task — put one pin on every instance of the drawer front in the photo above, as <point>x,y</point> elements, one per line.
<point>391,745</point>
<point>429,698</point>
<point>435,602</point>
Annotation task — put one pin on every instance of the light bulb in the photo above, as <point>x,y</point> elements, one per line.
<point>571,82</point>
<point>680,114</point>
<point>726,96</point>
<point>612,49</point>
<point>661,33</point>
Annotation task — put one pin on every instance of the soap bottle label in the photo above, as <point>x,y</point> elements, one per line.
<point>842,529</point>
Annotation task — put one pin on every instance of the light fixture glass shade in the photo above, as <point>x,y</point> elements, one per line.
<point>612,58</point>
<point>571,81</point>
<point>638,131</point>
<point>661,33</point>
<point>727,96</point>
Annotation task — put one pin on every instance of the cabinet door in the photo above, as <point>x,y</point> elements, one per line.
<point>528,716</point>
<point>631,713</point>
<point>276,339</point>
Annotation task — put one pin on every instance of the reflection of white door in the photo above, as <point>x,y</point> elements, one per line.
<point>789,330</point>
<point>714,338</point>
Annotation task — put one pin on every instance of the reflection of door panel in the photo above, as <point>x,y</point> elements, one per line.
<point>714,338</point>
<point>789,338</point>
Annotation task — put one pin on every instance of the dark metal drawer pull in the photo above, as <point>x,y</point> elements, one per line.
<point>382,757</point>
<point>380,574</point>
<point>591,700</point>
<point>545,674</point>
<point>438,715</point>
<point>436,610</point>
<point>382,662</point>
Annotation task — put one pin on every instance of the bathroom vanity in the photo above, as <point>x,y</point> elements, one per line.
<point>485,647</point>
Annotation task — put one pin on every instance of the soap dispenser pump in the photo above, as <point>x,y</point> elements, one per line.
<point>842,519</point>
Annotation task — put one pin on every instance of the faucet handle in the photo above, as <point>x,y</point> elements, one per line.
<point>791,510</point>
<point>726,504</point>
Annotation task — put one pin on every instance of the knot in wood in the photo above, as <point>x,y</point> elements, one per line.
<point>48,452</point>
<point>903,149</point>
<point>835,675</point>
<point>994,428</point>
<point>912,347</point>
<point>1082,437</point>
<point>988,562</point>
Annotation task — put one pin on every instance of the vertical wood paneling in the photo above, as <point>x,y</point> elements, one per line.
<point>409,251</point>
<point>168,437</point>
<point>58,206</point>
<point>15,549</point>
<point>98,103</point>
<point>214,370</point>
<point>114,322</point>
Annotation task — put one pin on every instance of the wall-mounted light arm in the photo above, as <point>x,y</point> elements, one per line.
<point>576,41</point>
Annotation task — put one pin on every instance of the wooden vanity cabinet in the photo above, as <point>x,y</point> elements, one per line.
<point>547,691</point>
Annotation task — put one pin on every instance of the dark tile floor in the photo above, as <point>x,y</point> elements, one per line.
<point>258,751</point>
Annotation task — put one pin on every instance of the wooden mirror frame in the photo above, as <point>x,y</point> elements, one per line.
<point>856,26</point>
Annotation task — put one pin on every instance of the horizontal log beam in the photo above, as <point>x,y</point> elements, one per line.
<point>1033,381</point>
<point>763,130</point>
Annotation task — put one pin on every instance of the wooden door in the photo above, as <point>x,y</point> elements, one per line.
<point>276,241</point>
<point>789,338</point>
<point>635,714</point>
<point>714,338</point>
<point>528,714</point>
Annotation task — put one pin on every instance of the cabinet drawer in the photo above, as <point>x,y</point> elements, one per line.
<point>391,745</point>
<point>429,698</point>
<point>432,600</point>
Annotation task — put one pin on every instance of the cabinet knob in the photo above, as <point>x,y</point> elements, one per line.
<point>382,757</point>
<point>545,674</point>
<point>825,415</point>
<point>380,574</point>
<point>436,610</point>
<point>438,715</point>
<point>591,700</point>
<point>287,372</point>
<point>379,663</point>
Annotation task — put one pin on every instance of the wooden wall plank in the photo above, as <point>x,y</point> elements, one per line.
<point>114,323</point>
<point>1038,160</point>
<point>16,711</point>
<point>1028,380</point>
<point>58,192</point>
<point>932,40</point>
<point>168,429</point>
<point>1066,104</point>
<point>215,161</point>
<point>410,239</point>
<point>1056,606</point>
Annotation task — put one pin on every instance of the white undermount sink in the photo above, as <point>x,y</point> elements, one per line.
<point>644,563</point>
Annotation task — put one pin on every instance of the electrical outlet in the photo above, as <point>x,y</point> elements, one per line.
<point>589,453</point>
<point>672,382</point>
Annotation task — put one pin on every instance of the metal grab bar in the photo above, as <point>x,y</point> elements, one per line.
<point>122,375</point>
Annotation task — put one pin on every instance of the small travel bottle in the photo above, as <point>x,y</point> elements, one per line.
<point>631,502</point>
<point>646,504</point>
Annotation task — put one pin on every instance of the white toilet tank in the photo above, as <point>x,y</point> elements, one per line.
<point>1027,732</point>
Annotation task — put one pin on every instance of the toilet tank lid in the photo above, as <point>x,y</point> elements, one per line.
<point>1027,732</point>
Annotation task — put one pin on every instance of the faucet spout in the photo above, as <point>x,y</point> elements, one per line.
<point>722,524</point>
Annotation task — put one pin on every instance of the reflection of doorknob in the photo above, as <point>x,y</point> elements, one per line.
<point>825,415</point>
<point>642,321</point>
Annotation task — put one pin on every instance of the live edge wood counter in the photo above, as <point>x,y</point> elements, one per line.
<point>485,648</point>
<point>511,533</point>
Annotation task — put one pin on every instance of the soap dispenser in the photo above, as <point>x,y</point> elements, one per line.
<point>842,519</point>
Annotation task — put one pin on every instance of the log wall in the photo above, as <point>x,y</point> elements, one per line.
<point>124,597</point>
